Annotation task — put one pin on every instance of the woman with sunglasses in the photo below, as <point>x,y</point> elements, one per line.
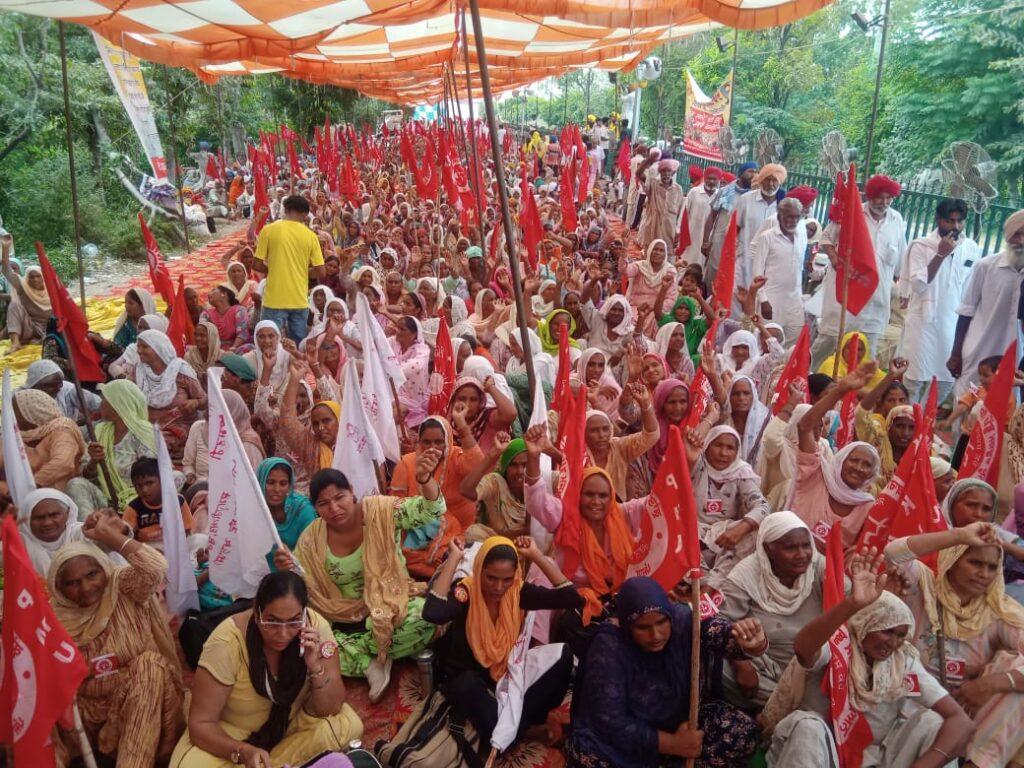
<point>268,690</point>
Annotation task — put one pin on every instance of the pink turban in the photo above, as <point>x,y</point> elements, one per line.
<point>772,169</point>
<point>1014,223</point>
<point>668,165</point>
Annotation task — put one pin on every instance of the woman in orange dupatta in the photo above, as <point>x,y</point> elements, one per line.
<point>607,531</point>
<point>487,612</point>
<point>423,547</point>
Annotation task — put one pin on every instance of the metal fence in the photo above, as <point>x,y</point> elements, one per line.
<point>916,204</point>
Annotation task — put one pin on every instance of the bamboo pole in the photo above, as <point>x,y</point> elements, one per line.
<point>506,215</point>
<point>694,659</point>
<point>83,740</point>
<point>174,159</point>
<point>842,319</point>
<point>491,758</point>
<point>71,161</point>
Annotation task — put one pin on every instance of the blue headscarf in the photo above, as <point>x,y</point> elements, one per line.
<point>747,167</point>
<point>298,509</point>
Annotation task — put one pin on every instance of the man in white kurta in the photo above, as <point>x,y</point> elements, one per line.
<point>988,314</point>
<point>636,184</point>
<point>751,211</point>
<point>938,267</point>
<point>722,205</point>
<point>778,254</point>
<point>698,208</point>
<point>888,236</point>
<point>663,208</point>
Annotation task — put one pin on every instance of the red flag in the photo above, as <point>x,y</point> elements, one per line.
<point>684,233</point>
<point>561,393</point>
<point>158,272</point>
<point>583,164</point>
<point>848,409</point>
<point>667,548</point>
<point>71,322</point>
<point>981,459</point>
<point>442,380</point>
<point>293,161</point>
<point>529,220</point>
<point>180,328</point>
<point>856,251</point>
<point>700,389</point>
<point>798,369</point>
<point>852,731</point>
<point>573,446</point>
<point>565,197</point>
<point>725,280</point>
<point>931,409</point>
<point>622,161</point>
<point>212,171</point>
<point>42,665</point>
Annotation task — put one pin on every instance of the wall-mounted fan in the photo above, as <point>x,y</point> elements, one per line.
<point>734,151</point>
<point>768,147</point>
<point>835,155</point>
<point>969,174</point>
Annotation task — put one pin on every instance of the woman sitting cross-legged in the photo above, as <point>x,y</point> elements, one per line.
<point>486,612</point>
<point>132,701</point>
<point>631,702</point>
<point>352,560</point>
<point>268,690</point>
<point>912,720</point>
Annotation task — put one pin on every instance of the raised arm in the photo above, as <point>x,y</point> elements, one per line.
<point>853,381</point>
<point>897,368</point>
<point>472,479</point>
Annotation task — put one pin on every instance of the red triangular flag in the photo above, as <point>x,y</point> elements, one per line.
<point>667,548</point>
<point>851,728</point>
<point>529,220</point>
<point>567,200</point>
<point>985,446</point>
<point>159,275</point>
<point>180,329</point>
<point>442,380</point>
<point>798,369</point>
<point>574,450</point>
<point>700,389</point>
<point>683,239</point>
<point>562,393</point>
<point>725,280</point>
<point>856,251</point>
<point>848,408</point>
<point>622,161</point>
<point>43,667</point>
<point>212,171</point>
<point>71,322</point>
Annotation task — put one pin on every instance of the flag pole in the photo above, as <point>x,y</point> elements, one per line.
<point>71,160</point>
<point>694,658</point>
<point>83,740</point>
<point>492,757</point>
<point>477,167</point>
<point>506,215</point>
<point>174,159</point>
<point>842,319</point>
<point>466,153</point>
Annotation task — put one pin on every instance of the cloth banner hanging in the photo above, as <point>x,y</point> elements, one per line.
<point>126,75</point>
<point>705,116</point>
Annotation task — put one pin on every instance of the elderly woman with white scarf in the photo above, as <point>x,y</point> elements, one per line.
<point>47,376</point>
<point>649,278</point>
<point>730,506</point>
<point>124,366</point>
<point>47,520</point>
<point>611,327</point>
<point>780,585</point>
<point>776,457</point>
<point>913,721</point>
<point>172,391</point>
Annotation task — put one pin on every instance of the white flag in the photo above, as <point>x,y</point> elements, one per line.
<point>376,390</point>
<point>20,479</point>
<point>182,590</point>
<point>357,446</point>
<point>539,415</point>
<point>242,532</point>
<point>369,329</point>
<point>525,666</point>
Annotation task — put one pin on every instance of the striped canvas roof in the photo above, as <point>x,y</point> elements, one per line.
<point>395,49</point>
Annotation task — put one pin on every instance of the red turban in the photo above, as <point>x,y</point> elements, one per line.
<point>696,174</point>
<point>713,173</point>
<point>882,185</point>
<point>805,194</point>
<point>728,178</point>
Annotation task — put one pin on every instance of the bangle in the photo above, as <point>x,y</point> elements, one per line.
<point>532,480</point>
<point>437,594</point>
<point>128,540</point>
<point>936,749</point>
<point>321,671</point>
<point>564,584</point>
<point>1013,683</point>
<point>424,481</point>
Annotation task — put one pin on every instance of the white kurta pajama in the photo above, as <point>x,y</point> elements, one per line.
<point>780,259</point>
<point>751,212</point>
<point>990,300</point>
<point>698,208</point>
<point>888,236</point>
<point>662,213</point>
<point>932,311</point>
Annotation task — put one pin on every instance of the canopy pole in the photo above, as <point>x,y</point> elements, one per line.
<point>506,215</point>
<point>477,175</point>
<point>878,89</point>
<point>174,160</point>
<point>71,161</point>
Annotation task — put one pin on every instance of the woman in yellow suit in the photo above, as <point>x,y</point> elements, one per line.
<point>268,691</point>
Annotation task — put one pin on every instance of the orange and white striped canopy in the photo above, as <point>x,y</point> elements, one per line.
<point>396,49</point>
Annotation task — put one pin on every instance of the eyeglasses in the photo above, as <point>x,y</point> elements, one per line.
<point>281,624</point>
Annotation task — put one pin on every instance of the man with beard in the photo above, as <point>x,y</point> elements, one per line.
<point>778,254</point>
<point>888,235</point>
<point>664,204</point>
<point>723,203</point>
<point>990,312</point>
<point>752,210</point>
<point>698,208</point>
<point>938,267</point>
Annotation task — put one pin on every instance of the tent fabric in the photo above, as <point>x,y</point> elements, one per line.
<point>396,50</point>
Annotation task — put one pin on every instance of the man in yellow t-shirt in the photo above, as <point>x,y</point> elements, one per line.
<point>286,251</point>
